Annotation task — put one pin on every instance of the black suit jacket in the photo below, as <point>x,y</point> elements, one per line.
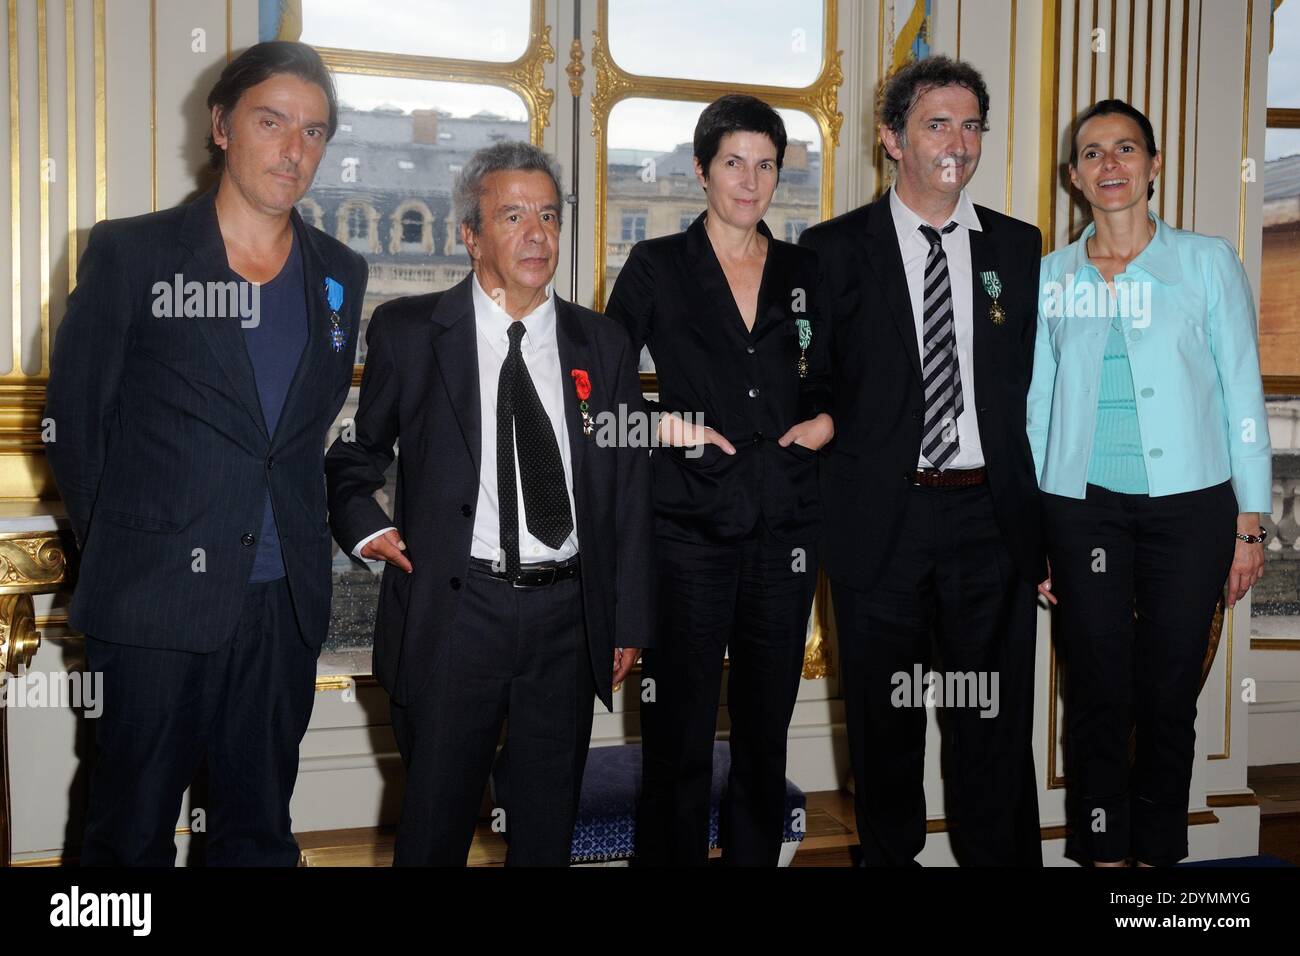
<point>673,296</point>
<point>877,400</point>
<point>420,389</point>
<point>161,453</point>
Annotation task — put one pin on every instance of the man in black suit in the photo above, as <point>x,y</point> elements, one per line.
<point>203,357</point>
<point>932,512</point>
<point>486,610</point>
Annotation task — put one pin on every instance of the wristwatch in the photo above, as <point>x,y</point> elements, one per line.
<point>1254,538</point>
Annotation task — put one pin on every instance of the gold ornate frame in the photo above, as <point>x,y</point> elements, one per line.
<point>614,84</point>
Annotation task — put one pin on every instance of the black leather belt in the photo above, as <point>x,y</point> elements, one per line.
<point>530,575</point>
<point>952,478</point>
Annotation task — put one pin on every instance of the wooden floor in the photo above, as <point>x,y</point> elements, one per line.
<point>829,840</point>
<point>1278,790</point>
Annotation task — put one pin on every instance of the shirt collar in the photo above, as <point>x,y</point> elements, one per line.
<point>1159,259</point>
<point>909,223</point>
<point>494,321</point>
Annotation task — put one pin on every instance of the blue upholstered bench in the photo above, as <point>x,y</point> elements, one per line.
<point>605,830</point>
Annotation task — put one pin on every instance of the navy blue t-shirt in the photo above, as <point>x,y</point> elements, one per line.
<point>275,346</point>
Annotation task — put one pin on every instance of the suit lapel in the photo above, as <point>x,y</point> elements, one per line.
<point>880,245</point>
<point>455,348</point>
<point>316,350</point>
<point>205,261</point>
<point>575,353</point>
<point>983,258</point>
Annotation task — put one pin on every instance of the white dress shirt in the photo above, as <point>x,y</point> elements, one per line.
<point>541,353</point>
<point>915,248</point>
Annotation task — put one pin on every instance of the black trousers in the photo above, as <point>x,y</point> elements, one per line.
<point>749,601</point>
<point>245,707</point>
<point>518,654</point>
<point>951,578</point>
<point>1137,579</point>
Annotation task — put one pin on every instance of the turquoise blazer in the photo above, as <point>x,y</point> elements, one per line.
<point>1188,317</point>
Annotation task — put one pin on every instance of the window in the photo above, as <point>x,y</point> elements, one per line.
<point>794,229</point>
<point>412,226</point>
<point>1275,598</point>
<point>634,225</point>
<point>685,222</point>
<point>492,30</point>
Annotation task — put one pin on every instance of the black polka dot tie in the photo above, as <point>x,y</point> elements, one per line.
<point>522,422</point>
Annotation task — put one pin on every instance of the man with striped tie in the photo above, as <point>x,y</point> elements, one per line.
<point>932,534</point>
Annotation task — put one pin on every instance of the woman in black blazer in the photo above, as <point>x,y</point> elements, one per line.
<point>727,312</point>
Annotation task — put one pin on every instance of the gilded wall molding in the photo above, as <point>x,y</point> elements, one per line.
<point>575,69</point>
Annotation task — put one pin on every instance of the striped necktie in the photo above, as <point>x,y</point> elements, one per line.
<point>940,376</point>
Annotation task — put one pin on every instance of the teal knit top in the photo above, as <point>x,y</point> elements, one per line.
<point>1117,463</point>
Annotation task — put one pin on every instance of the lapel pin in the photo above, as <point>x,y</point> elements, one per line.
<point>993,286</point>
<point>334,296</point>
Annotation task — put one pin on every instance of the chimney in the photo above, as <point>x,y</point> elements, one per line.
<point>425,127</point>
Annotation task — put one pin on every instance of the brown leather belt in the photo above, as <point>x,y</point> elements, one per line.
<point>952,478</point>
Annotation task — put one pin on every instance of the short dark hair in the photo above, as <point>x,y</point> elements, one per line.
<point>737,113</point>
<point>1106,108</point>
<point>258,64</point>
<point>916,79</point>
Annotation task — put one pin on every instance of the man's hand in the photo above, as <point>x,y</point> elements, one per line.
<point>673,431</point>
<point>624,659</point>
<point>811,434</point>
<point>387,547</point>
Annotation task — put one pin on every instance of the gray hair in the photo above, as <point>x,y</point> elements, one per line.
<point>500,157</point>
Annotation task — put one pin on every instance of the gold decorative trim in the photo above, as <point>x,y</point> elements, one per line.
<point>1196,112</point>
<point>525,76</point>
<point>1282,384</point>
<point>15,194</point>
<point>31,562</point>
<point>1114,28</point>
<point>1011,109</point>
<point>1049,111</point>
<point>1182,110</point>
<point>1274,644</point>
<point>1164,107</point>
<point>575,69</point>
<point>1074,111</point>
<point>327,682</point>
<point>819,99</point>
<point>43,148</point>
<point>19,638</point>
<point>153,102</point>
<point>70,46</point>
<point>101,118</point>
<point>1245,132</point>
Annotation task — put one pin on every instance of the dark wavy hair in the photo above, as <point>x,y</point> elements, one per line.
<point>258,64</point>
<point>737,113</point>
<point>916,79</point>
<point>1107,108</point>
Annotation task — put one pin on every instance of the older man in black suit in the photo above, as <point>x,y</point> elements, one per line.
<point>204,354</point>
<point>518,581</point>
<point>931,501</point>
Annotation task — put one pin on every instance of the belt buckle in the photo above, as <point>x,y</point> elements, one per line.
<point>540,584</point>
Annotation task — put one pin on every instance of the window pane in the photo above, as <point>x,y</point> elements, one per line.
<point>494,30</point>
<point>651,189</point>
<point>768,42</point>
<point>384,186</point>
<point>1284,61</point>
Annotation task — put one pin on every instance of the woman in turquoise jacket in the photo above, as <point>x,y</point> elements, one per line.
<point>1148,429</point>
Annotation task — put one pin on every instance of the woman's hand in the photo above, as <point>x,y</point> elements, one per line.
<point>1247,561</point>
<point>673,431</point>
<point>1045,586</point>
<point>811,434</point>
